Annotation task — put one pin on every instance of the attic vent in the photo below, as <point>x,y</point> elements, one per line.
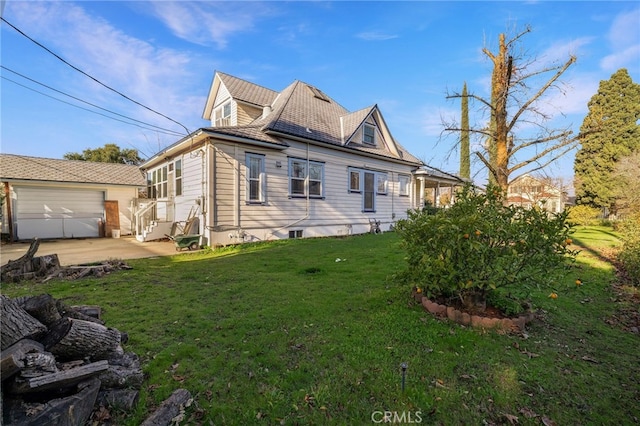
<point>318,93</point>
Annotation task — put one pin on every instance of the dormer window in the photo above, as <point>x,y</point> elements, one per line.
<point>222,115</point>
<point>369,134</point>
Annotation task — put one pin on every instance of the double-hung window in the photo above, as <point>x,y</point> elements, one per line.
<point>403,185</point>
<point>256,178</point>
<point>369,134</point>
<point>178,177</point>
<point>306,178</point>
<point>223,114</point>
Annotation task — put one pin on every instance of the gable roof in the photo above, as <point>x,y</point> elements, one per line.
<point>23,168</point>
<point>303,111</point>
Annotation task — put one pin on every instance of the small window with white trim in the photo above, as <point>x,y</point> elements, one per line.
<point>306,178</point>
<point>256,177</point>
<point>403,185</point>
<point>369,134</point>
<point>222,115</point>
<point>381,183</point>
<point>354,180</point>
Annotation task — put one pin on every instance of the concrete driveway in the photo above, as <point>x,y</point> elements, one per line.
<point>90,250</point>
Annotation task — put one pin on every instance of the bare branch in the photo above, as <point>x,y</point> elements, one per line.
<point>540,92</point>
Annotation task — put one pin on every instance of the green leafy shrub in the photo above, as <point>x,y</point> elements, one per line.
<point>583,215</point>
<point>629,255</point>
<point>479,245</point>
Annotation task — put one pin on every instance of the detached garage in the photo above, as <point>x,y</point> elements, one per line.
<point>51,198</point>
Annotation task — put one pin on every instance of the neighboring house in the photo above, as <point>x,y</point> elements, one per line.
<point>276,165</point>
<point>528,192</point>
<point>50,198</point>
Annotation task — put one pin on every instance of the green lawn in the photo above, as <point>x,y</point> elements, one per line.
<point>284,333</point>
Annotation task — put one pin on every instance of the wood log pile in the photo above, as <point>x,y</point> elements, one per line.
<point>61,364</point>
<point>45,268</point>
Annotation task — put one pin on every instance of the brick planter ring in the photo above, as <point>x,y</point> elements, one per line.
<point>516,324</point>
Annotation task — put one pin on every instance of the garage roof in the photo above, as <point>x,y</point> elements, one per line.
<point>36,169</point>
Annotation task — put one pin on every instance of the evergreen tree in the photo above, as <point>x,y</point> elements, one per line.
<point>110,153</point>
<point>610,132</point>
<point>465,160</point>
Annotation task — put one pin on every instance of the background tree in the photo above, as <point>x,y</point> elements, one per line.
<point>514,106</point>
<point>465,154</point>
<point>110,153</point>
<point>627,193</point>
<point>611,132</point>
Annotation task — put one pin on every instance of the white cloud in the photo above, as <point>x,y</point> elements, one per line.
<point>562,50</point>
<point>624,39</point>
<point>153,76</point>
<point>375,36</point>
<point>206,22</point>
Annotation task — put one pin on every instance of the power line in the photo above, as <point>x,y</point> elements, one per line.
<point>166,131</point>
<point>172,133</point>
<point>91,77</point>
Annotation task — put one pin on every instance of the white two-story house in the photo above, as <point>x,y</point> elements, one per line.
<point>275,165</point>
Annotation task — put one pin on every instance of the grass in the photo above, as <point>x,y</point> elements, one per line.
<point>315,331</point>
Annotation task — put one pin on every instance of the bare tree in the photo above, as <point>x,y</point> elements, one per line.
<point>517,136</point>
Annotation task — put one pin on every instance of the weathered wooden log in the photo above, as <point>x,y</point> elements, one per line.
<point>61,379</point>
<point>92,311</point>
<point>119,399</point>
<point>43,308</point>
<point>12,359</point>
<point>71,338</point>
<point>119,377</point>
<point>170,408</point>
<point>16,267</point>
<point>73,410</point>
<point>17,324</point>
<point>38,364</point>
<point>68,311</point>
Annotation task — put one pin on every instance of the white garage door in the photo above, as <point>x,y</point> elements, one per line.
<point>58,213</point>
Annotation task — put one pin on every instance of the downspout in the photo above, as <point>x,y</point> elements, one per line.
<point>7,197</point>
<point>236,189</point>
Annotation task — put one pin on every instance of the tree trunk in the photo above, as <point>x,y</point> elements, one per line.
<point>17,323</point>
<point>72,338</point>
<point>58,380</point>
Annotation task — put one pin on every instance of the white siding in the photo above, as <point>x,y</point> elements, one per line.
<point>339,213</point>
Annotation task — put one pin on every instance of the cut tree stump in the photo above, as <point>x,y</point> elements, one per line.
<point>17,324</point>
<point>170,408</point>
<point>57,380</point>
<point>16,267</point>
<point>12,359</point>
<point>71,338</point>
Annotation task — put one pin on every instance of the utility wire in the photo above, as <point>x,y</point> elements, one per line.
<point>83,101</point>
<point>91,77</point>
<point>172,133</point>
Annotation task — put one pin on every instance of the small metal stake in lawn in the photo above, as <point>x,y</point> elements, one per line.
<point>404,371</point>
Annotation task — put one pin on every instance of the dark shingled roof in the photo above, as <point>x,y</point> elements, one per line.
<point>20,167</point>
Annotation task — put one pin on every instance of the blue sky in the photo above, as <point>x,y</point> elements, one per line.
<point>402,56</point>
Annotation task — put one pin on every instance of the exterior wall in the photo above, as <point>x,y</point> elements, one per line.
<point>233,220</point>
<point>125,197</point>
<point>246,114</point>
